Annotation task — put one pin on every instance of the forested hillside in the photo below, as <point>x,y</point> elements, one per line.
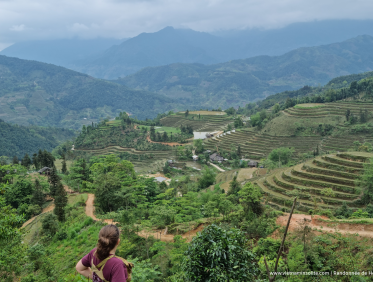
<point>37,93</point>
<point>16,140</point>
<point>242,81</point>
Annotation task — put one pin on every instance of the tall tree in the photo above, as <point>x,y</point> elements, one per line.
<point>348,113</point>
<point>239,152</point>
<point>26,161</point>
<point>37,195</point>
<point>15,160</point>
<point>64,167</point>
<point>60,202</point>
<point>54,179</point>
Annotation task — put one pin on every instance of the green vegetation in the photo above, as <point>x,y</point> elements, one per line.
<point>236,82</point>
<point>19,140</point>
<point>42,94</point>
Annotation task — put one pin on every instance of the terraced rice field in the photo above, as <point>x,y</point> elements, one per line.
<point>336,172</point>
<point>205,123</point>
<point>328,109</point>
<point>256,145</point>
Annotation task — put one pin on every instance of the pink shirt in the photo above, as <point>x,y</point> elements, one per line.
<point>114,270</point>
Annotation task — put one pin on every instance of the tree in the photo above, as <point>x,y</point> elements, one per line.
<point>186,113</point>
<point>198,145</point>
<point>50,224</point>
<point>12,250</point>
<point>37,195</point>
<point>348,113</point>
<point>218,254</point>
<point>64,167</point>
<point>239,152</point>
<point>281,155</point>
<point>234,186</point>
<point>207,178</point>
<point>26,161</point>
<point>276,108</point>
<point>60,202</point>
<point>15,160</point>
<point>53,181</point>
<point>250,196</point>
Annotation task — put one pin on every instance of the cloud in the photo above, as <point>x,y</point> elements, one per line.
<point>45,19</point>
<point>20,27</point>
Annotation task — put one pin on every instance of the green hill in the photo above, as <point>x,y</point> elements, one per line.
<point>242,81</point>
<point>16,140</point>
<point>43,94</point>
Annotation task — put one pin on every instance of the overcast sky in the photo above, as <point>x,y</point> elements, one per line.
<point>48,19</point>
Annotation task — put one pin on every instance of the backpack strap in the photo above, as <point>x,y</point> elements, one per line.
<point>102,265</point>
<point>129,266</point>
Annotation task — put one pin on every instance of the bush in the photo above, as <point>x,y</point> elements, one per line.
<point>218,254</point>
<point>50,225</point>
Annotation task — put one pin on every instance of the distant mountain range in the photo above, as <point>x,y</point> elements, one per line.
<point>241,81</point>
<point>61,52</point>
<point>110,59</point>
<point>43,94</point>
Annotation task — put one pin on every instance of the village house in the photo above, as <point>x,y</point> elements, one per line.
<point>252,164</point>
<point>215,157</point>
<point>45,170</point>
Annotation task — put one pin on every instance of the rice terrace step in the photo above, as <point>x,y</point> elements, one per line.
<point>324,182</point>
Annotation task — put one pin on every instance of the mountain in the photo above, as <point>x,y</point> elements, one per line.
<point>242,81</point>
<point>61,52</point>
<point>43,94</point>
<point>170,45</point>
<point>16,140</point>
<point>164,47</point>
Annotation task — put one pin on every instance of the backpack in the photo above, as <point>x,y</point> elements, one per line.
<point>100,273</point>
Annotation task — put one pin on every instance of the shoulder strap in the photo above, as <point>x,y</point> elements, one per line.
<point>102,265</point>
<point>129,266</point>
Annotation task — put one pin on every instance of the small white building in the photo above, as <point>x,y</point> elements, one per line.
<point>195,158</point>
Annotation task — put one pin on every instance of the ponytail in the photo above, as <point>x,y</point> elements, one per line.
<point>108,239</point>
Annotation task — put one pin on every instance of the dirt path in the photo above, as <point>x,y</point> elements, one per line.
<point>214,165</point>
<point>47,209</point>
<point>158,234</point>
<point>298,221</point>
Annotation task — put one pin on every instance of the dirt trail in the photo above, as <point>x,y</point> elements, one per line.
<point>47,209</point>
<point>298,221</point>
<point>214,165</point>
<point>158,234</point>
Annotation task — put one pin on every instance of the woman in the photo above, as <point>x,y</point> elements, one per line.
<point>101,264</point>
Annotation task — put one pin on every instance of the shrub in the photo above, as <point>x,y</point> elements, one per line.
<point>218,254</point>
<point>50,225</point>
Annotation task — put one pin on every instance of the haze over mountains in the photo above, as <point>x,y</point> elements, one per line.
<point>43,94</point>
<point>242,81</point>
<point>110,61</point>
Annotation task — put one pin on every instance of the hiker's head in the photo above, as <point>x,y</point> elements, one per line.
<point>108,239</point>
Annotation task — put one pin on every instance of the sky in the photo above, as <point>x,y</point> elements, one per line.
<point>22,20</point>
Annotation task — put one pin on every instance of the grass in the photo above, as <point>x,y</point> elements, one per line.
<point>75,198</point>
<point>309,105</point>
<point>162,129</point>
<point>58,164</point>
<point>206,113</point>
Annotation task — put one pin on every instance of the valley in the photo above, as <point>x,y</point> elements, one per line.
<point>229,169</point>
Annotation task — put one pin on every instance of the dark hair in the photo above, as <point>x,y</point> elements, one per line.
<point>107,240</point>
